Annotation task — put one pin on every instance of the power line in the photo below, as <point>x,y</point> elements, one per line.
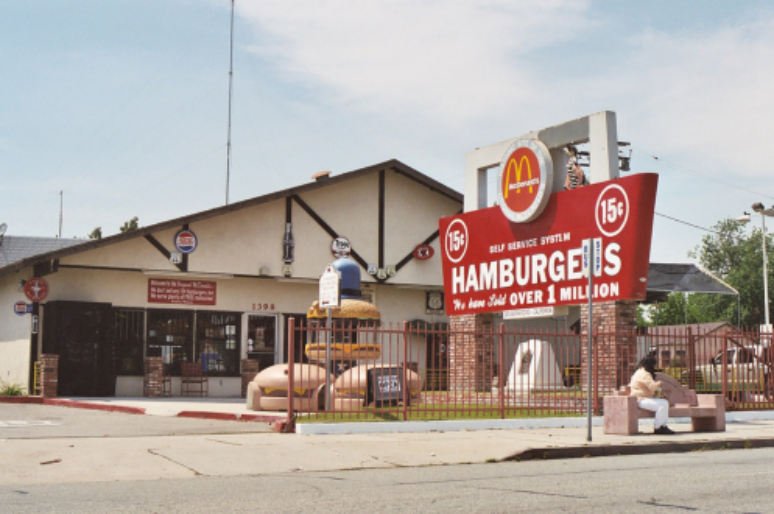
<point>704,176</point>
<point>686,223</point>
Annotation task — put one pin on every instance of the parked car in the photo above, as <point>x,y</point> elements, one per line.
<point>748,370</point>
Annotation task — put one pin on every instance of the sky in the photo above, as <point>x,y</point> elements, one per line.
<point>123,105</point>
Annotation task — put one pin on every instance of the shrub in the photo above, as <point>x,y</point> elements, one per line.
<point>10,389</point>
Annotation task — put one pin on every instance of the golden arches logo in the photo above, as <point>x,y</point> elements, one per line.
<point>518,167</point>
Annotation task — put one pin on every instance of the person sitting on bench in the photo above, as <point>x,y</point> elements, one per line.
<point>644,387</point>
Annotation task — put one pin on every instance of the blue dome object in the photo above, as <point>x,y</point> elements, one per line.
<point>350,279</point>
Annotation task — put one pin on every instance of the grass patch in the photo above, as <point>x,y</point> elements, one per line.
<point>439,412</point>
<point>10,389</point>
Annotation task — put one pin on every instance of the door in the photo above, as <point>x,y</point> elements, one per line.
<point>262,340</point>
<point>81,334</point>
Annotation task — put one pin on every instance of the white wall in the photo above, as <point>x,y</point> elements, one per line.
<point>14,334</point>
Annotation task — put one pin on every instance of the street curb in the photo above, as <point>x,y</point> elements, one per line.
<point>39,400</point>
<point>613,450</point>
<point>93,406</point>
<point>224,416</point>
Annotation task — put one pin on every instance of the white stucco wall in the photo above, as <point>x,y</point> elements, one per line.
<point>14,334</point>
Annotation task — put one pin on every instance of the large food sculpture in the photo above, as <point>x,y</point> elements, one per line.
<point>269,389</point>
<point>355,314</point>
<point>352,356</point>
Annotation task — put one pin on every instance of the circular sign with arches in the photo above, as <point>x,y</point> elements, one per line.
<point>525,180</point>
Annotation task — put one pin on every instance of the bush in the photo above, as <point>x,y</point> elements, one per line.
<point>10,389</point>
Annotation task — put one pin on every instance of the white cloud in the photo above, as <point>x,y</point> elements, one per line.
<point>459,66</point>
<point>447,61</point>
<point>707,95</point>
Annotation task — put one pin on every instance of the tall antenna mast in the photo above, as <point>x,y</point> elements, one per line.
<point>230,92</point>
<point>60,213</point>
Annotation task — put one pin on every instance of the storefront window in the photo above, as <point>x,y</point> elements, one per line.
<point>128,329</point>
<point>170,335</point>
<point>217,336</point>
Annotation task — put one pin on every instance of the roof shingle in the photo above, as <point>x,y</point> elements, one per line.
<point>16,248</point>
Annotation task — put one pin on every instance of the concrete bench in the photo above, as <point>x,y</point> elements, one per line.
<point>707,411</point>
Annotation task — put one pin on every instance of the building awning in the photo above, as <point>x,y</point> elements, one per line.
<point>689,278</point>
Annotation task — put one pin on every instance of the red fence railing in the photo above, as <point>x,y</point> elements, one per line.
<point>421,371</point>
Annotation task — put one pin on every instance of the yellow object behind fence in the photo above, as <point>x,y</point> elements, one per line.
<point>36,378</point>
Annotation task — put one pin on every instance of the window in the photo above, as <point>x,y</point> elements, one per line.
<point>128,328</point>
<point>217,342</point>
<point>170,335</point>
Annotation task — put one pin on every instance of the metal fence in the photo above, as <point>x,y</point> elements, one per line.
<point>418,371</point>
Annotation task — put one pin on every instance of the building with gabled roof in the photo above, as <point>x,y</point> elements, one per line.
<point>252,266</point>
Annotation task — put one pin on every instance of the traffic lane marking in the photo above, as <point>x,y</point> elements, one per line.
<point>27,424</point>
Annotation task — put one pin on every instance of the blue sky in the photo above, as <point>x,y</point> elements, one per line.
<point>123,104</point>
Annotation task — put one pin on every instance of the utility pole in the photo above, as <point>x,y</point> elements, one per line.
<point>230,93</point>
<point>61,203</point>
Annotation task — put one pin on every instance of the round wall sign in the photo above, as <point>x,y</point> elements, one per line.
<point>423,252</point>
<point>525,180</point>
<point>341,247</point>
<point>186,241</point>
<point>36,289</point>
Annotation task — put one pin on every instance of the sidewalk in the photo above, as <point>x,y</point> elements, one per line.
<point>63,460</point>
<point>67,459</point>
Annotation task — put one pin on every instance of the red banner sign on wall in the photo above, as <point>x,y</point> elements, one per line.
<point>491,264</point>
<point>181,292</point>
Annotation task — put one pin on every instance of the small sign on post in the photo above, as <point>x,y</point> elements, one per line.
<point>330,296</point>
<point>330,282</point>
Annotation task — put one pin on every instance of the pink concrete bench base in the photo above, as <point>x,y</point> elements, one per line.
<point>707,411</point>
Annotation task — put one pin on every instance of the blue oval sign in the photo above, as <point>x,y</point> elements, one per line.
<point>186,241</point>
<point>22,308</point>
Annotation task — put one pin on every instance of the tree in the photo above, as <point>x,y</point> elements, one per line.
<point>130,225</point>
<point>96,233</point>
<point>736,258</point>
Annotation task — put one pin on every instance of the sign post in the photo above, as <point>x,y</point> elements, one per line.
<point>588,259</point>
<point>330,296</point>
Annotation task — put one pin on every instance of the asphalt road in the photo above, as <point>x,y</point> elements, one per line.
<point>719,481</point>
<point>23,421</point>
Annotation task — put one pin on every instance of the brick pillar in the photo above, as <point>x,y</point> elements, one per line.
<point>616,347</point>
<point>49,375</point>
<point>471,345</point>
<point>153,380</point>
<point>248,368</point>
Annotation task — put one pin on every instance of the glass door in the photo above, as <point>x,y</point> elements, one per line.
<point>262,339</point>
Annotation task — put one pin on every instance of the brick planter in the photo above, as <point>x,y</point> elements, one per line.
<point>153,379</point>
<point>49,375</point>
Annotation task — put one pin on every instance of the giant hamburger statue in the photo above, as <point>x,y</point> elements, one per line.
<point>350,320</point>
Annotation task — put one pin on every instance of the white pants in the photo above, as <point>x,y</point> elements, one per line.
<point>658,405</point>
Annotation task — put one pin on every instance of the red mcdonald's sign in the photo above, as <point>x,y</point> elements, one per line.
<point>491,264</point>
